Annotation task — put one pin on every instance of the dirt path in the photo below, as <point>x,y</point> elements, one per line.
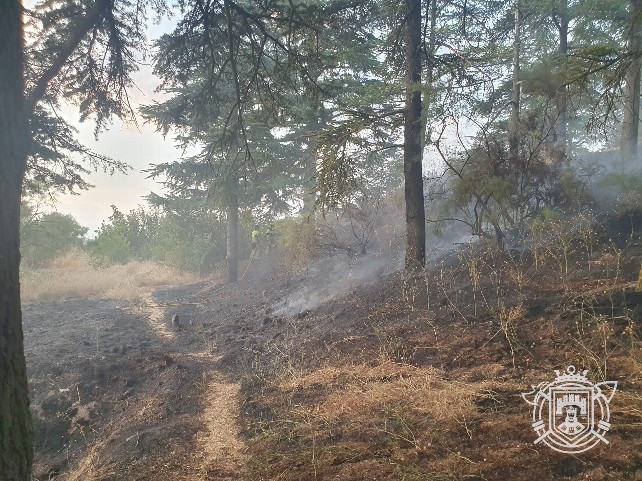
<point>154,315</point>
<point>119,393</point>
<point>225,451</point>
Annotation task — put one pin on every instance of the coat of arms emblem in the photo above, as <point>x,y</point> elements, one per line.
<point>571,414</point>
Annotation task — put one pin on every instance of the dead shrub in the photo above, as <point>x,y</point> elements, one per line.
<point>297,240</point>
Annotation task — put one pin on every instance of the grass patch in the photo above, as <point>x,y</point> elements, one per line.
<point>76,275</point>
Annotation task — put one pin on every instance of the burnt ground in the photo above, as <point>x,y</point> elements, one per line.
<point>116,393</point>
<point>395,379</point>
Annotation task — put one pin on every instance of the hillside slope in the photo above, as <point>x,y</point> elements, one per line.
<point>320,376</point>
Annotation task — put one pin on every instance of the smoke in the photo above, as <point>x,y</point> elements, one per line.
<point>332,278</point>
<point>610,180</point>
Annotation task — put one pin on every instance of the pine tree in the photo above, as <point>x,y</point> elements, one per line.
<point>277,70</point>
<point>16,451</point>
<point>631,116</point>
<point>64,63</point>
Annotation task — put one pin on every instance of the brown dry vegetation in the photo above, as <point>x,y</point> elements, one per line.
<point>395,380</point>
<point>389,384</point>
<point>75,275</point>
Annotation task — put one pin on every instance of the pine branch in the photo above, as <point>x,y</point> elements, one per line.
<point>91,18</point>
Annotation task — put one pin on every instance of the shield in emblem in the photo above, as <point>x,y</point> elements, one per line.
<point>571,413</point>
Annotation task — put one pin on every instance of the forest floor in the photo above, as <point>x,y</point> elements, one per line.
<point>280,377</point>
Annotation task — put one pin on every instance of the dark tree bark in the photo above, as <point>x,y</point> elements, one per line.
<point>631,121</point>
<point>233,231</point>
<point>562,20</point>
<point>16,445</point>
<point>412,151</point>
<point>312,152</point>
<point>513,124</point>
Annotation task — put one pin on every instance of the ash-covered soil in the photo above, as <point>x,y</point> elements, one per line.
<point>353,374</point>
<point>118,392</point>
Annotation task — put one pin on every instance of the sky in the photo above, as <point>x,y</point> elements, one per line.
<point>139,146</point>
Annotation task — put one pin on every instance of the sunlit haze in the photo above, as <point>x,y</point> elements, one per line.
<point>139,146</point>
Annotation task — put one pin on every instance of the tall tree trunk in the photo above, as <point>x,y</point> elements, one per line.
<point>310,168</point>
<point>412,151</point>
<point>562,97</point>
<point>431,16</point>
<point>631,122</point>
<point>233,231</point>
<point>16,444</point>
<point>513,124</point>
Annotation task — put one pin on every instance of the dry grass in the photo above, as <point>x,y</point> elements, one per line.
<point>368,391</point>
<point>402,421</point>
<point>76,275</point>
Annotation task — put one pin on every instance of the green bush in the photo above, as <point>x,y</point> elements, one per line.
<point>46,236</point>
<point>186,242</point>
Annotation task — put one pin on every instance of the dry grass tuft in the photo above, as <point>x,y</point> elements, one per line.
<point>371,391</point>
<point>344,419</point>
<point>359,373</point>
<point>368,395</point>
<point>75,275</point>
